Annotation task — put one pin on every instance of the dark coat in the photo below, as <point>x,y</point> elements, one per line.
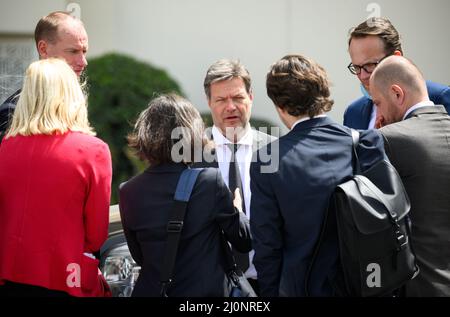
<point>357,115</point>
<point>419,148</point>
<point>145,203</point>
<point>289,204</point>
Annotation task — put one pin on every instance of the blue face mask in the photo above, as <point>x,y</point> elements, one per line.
<point>365,92</point>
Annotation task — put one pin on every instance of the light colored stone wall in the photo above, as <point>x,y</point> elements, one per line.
<point>186,36</point>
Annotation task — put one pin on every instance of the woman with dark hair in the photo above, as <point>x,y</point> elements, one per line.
<point>169,135</point>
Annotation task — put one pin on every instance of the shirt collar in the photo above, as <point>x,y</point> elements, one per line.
<point>421,104</point>
<point>219,139</point>
<point>306,119</point>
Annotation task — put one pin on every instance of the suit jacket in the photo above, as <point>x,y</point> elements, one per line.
<point>260,139</point>
<point>145,203</point>
<point>54,206</point>
<point>419,148</point>
<point>357,114</point>
<point>6,111</point>
<point>288,206</point>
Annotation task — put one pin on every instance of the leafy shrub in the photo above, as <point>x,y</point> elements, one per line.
<point>120,87</point>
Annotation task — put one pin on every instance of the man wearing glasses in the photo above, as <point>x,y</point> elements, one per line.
<point>370,43</point>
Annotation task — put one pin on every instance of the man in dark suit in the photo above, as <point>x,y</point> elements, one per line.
<point>369,43</point>
<point>289,204</point>
<point>57,35</point>
<point>416,136</point>
<point>229,92</point>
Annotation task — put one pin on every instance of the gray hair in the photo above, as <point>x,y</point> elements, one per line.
<point>225,69</point>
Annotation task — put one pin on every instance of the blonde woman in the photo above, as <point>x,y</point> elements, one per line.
<point>54,190</point>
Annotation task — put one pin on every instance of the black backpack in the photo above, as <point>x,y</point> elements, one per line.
<point>370,213</point>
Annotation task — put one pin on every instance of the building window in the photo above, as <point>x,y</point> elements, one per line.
<point>16,53</point>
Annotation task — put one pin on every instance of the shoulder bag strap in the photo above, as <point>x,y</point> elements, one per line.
<point>356,165</point>
<point>175,224</point>
<point>329,217</point>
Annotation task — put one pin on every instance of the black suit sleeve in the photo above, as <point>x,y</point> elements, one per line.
<point>234,224</point>
<point>6,111</point>
<point>267,229</point>
<point>443,99</point>
<point>370,149</point>
<point>130,235</point>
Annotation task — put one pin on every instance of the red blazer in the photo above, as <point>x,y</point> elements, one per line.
<point>54,206</point>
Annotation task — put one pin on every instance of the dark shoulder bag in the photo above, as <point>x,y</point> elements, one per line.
<point>236,284</point>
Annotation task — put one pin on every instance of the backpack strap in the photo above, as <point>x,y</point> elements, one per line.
<point>356,164</point>
<point>330,218</point>
<point>182,195</point>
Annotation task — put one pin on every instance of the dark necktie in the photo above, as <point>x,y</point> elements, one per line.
<point>234,181</point>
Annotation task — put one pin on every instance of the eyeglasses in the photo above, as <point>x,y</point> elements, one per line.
<point>368,68</point>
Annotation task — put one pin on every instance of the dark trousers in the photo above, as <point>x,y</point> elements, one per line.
<point>10,289</point>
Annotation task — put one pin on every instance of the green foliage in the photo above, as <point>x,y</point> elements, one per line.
<point>120,87</point>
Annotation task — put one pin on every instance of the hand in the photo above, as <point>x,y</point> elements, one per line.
<point>379,121</point>
<point>237,201</point>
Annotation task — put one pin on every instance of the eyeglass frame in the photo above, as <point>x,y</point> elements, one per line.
<point>361,67</point>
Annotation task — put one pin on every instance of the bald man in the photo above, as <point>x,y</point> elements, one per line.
<point>416,134</point>
<point>57,35</point>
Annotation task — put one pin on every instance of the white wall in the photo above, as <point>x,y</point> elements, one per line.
<point>21,16</point>
<point>186,36</point>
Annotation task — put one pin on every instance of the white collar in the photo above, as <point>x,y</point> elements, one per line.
<point>306,119</point>
<point>421,104</point>
<point>220,139</point>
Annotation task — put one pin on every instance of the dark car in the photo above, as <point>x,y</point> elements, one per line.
<point>116,263</point>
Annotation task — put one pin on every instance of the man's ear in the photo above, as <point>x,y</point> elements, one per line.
<point>397,53</point>
<point>42,48</point>
<point>209,102</point>
<point>398,94</point>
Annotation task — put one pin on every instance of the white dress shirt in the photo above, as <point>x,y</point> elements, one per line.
<point>306,119</point>
<point>373,118</point>
<point>243,159</point>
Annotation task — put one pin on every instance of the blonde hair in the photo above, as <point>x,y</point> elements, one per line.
<point>51,101</point>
